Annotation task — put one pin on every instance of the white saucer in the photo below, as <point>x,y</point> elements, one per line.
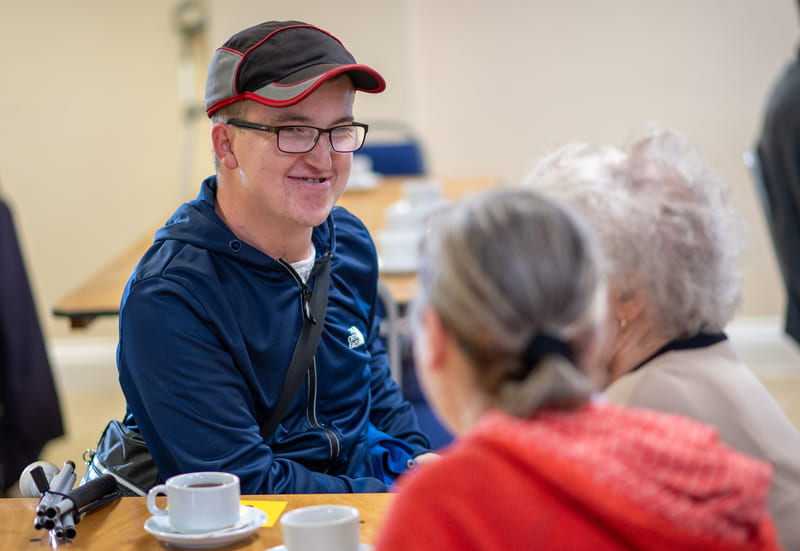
<point>398,268</point>
<point>252,518</point>
<point>362,547</point>
<point>389,265</point>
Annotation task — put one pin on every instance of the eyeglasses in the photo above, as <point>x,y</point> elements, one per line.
<point>302,139</point>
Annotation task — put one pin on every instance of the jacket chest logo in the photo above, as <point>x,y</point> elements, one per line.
<point>355,339</point>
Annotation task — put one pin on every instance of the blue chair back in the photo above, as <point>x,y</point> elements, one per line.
<point>393,150</point>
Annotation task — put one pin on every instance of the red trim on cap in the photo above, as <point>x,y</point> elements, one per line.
<point>230,50</point>
<point>336,71</point>
<point>260,42</point>
<point>277,103</point>
<point>224,103</point>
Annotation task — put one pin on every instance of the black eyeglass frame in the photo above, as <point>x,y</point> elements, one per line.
<point>276,129</point>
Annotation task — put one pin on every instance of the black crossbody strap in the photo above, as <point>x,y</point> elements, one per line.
<point>305,348</point>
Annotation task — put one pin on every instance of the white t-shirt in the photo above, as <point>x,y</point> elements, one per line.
<point>303,267</point>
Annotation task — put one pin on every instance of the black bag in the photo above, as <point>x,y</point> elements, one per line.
<point>122,452</point>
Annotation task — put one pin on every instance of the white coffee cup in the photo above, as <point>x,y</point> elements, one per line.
<point>198,502</point>
<point>398,250</point>
<point>402,216</point>
<point>321,528</point>
<point>422,192</point>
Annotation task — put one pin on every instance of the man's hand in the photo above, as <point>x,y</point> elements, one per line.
<point>426,458</point>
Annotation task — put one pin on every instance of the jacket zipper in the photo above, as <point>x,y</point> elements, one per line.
<point>311,412</point>
<point>311,401</point>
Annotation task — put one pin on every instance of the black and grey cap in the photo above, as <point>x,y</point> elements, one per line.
<point>279,63</point>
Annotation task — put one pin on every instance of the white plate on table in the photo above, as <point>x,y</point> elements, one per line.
<point>250,520</point>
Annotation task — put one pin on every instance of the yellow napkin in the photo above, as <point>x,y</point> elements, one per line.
<point>272,508</point>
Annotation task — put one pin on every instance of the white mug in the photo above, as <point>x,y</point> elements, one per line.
<point>402,216</point>
<point>398,250</point>
<point>422,192</point>
<point>198,502</point>
<point>321,528</point>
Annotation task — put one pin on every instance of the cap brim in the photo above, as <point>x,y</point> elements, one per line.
<point>298,86</point>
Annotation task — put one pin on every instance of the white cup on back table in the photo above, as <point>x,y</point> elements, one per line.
<point>321,528</point>
<point>198,502</point>
<point>423,192</point>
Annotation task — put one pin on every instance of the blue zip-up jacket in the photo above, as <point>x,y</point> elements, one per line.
<point>208,325</point>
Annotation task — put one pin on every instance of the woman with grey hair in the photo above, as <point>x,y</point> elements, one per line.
<point>511,297</point>
<point>672,243</point>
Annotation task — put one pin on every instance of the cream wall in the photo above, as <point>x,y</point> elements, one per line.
<point>91,138</point>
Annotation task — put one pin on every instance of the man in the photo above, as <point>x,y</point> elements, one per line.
<point>211,315</point>
<point>779,160</point>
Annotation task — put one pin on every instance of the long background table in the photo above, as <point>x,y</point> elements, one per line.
<point>119,526</point>
<point>100,294</point>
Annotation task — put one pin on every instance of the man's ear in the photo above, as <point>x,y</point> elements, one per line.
<point>222,140</point>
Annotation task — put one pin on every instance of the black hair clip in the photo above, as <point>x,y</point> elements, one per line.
<point>541,345</point>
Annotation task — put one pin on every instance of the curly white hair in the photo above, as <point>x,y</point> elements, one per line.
<point>665,222</point>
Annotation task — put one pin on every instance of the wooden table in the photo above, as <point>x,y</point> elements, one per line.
<point>100,294</point>
<point>119,526</point>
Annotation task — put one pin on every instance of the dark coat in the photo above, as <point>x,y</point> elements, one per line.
<point>779,159</point>
<point>29,410</point>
